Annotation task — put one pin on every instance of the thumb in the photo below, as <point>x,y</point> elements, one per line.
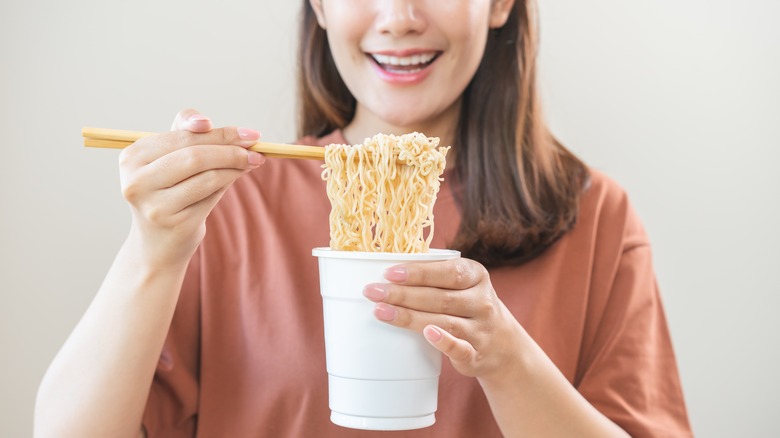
<point>191,120</point>
<point>458,350</point>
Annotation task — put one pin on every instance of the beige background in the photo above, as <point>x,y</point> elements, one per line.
<point>676,99</point>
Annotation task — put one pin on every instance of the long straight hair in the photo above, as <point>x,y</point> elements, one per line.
<point>517,186</point>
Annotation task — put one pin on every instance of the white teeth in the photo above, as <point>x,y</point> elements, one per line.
<point>419,59</point>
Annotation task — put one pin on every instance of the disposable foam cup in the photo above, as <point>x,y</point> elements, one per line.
<point>380,377</point>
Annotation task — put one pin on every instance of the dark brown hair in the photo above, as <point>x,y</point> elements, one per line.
<point>518,187</point>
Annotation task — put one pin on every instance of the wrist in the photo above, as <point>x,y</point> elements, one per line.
<point>151,256</point>
<point>519,365</point>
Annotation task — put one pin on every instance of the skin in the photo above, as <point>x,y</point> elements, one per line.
<point>358,27</point>
<point>172,181</point>
<point>453,302</point>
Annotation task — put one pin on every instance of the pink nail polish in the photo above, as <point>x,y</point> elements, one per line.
<point>396,273</point>
<point>385,312</point>
<point>432,334</point>
<point>256,159</point>
<point>248,134</point>
<point>197,118</point>
<point>375,292</point>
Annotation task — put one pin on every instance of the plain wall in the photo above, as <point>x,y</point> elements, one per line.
<point>678,100</point>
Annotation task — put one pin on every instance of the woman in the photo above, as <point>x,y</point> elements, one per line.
<point>551,321</point>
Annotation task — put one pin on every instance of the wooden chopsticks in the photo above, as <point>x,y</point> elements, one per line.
<point>118,139</point>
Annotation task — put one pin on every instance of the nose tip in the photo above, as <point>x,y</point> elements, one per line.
<point>400,17</point>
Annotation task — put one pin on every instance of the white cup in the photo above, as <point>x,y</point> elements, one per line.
<point>380,377</point>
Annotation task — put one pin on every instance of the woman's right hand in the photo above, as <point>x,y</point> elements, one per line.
<point>173,181</point>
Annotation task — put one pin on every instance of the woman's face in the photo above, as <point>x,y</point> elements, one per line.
<point>406,61</point>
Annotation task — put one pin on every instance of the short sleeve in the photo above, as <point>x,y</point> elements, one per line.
<point>172,406</point>
<point>630,374</point>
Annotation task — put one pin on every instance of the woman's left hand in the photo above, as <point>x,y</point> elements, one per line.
<point>456,308</point>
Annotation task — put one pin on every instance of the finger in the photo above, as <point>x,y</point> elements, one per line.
<point>458,350</point>
<point>148,149</point>
<point>182,164</point>
<point>416,320</point>
<point>460,273</point>
<point>191,120</point>
<point>426,299</point>
<point>164,204</point>
<point>199,210</point>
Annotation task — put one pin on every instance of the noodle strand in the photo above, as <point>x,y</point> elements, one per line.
<point>382,192</point>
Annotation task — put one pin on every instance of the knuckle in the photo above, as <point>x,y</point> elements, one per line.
<point>462,272</point>
<point>486,307</point>
<point>460,354</point>
<point>404,318</point>
<point>192,160</point>
<point>477,356</point>
<point>213,178</point>
<point>446,302</point>
<point>228,135</point>
<point>130,155</point>
<point>394,294</point>
<point>240,158</point>
<point>131,192</point>
<point>480,270</point>
<point>451,350</point>
<point>417,276</point>
<point>155,215</point>
<point>451,327</point>
<point>125,156</point>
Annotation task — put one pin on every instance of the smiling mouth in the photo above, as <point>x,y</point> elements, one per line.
<point>404,64</point>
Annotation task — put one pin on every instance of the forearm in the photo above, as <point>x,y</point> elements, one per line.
<point>99,381</point>
<point>535,399</point>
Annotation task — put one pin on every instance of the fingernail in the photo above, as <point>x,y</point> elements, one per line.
<point>396,274</point>
<point>432,334</point>
<point>197,118</point>
<point>375,292</point>
<point>248,134</point>
<point>385,312</point>
<point>256,158</point>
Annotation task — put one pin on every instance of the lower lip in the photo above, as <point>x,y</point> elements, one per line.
<point>402,78</point>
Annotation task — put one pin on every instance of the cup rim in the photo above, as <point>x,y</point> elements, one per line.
<point>432,254</point>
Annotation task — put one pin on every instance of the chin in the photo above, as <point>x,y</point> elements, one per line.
<point>406,120</point>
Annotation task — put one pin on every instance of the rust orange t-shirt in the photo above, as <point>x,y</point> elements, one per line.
<point>245,355</point>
